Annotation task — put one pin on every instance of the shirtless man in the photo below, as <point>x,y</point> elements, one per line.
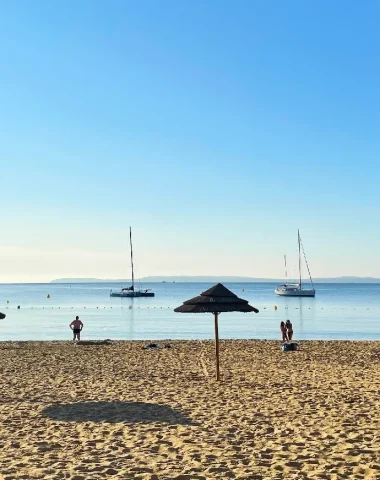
<point>76,326</point>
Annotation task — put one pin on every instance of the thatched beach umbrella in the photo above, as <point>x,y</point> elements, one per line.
<point>216,300</point>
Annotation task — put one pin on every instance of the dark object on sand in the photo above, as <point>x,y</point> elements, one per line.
<point>216,300</point>
<point>289,347</point>
<point>151,346</point>
<point>2,316</point>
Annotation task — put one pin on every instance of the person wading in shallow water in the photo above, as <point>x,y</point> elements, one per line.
<point>76,326</point>
<point>289,329</point>
<point>283,331</point>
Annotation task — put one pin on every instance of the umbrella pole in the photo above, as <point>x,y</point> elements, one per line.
<point>217,346</point>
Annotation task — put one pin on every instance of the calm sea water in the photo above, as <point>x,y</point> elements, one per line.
<point>339,311</point>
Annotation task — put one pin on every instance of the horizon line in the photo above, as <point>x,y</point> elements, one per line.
<point>199,279</point>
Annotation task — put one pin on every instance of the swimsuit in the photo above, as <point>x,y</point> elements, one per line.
<point>76,330</point>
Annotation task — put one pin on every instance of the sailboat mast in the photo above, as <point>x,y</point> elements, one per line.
<point>133,275</point>
<point>286,271</point>
<point>307,265</point>
<point>299,257</point>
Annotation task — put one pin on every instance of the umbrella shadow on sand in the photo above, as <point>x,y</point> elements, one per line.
<point>116,412</point>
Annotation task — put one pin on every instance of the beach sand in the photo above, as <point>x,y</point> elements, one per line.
<point>118,411</point>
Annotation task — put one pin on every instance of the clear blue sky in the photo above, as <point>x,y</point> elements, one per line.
<point>214,128</point>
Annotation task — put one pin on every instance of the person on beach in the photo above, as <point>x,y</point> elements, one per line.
<point>289,329</point>
<point>283,331</point>
<point>76,326</point>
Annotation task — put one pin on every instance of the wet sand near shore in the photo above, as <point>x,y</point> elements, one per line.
<point>117,411</point>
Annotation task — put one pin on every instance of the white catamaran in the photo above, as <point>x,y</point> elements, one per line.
<point>295,289</point>
<point>132,292</point>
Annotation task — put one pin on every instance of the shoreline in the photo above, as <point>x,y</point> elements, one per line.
<point>186,340</point>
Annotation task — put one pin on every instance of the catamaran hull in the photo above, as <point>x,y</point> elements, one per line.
<point>295,293</point>
<point>132,294</point>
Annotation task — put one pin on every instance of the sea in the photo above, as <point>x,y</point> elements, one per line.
<point>44,312</point>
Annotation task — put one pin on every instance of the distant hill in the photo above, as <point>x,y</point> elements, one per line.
<point>213,279</point>
<point>209,279</point>
<point>205,278</point>
<point>89,280</point>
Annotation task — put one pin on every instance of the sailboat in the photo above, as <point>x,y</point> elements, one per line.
<point>132,291</point>
<point>295,289</point>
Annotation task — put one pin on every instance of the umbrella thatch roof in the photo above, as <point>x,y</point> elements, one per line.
<point>217,299</point>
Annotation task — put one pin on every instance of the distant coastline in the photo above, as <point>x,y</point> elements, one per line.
<point>215,279</point>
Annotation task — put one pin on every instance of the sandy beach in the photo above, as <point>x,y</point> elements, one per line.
<point>118,411</point>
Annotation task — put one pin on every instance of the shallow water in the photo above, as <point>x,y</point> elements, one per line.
<point>339,311</point>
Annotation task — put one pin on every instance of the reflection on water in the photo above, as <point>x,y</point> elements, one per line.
<point>131,319</point>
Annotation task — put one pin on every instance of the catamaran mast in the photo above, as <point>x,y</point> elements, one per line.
<point>299,257</point>
<point>133,275</point>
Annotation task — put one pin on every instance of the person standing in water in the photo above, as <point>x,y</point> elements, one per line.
<point>76,326</point>
<point>283,331</point>
<point>289,329</point>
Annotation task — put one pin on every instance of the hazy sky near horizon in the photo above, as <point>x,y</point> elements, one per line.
<point>214,128</point>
